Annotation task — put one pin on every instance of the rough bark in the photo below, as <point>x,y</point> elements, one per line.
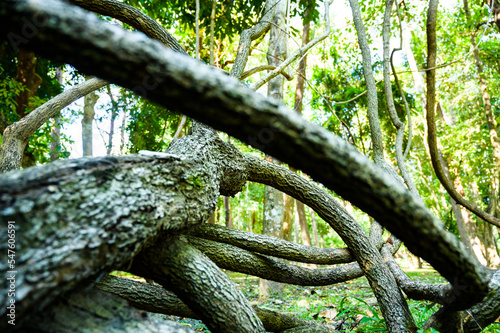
<point>236,259</point>
<point>382,282</point>
<point>110,208</point>
<point>438,293</point>
<point>475,319</point>
<point>273,246</point>
<point>199,283</point>
<point>323,155</point>
<point>16,136</point>
<point>91,310</point>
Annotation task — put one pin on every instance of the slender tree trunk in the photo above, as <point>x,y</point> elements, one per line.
<point>289,206</point>
<point>299,95</point>
<point>88,117</point>
<point>114,112</point>
<point>26,74</point>
<point>485,233</point>
<point>304,227</point>
<point>228,213</point>
<point>212,26</point>
<point>462,228</point>
<point>314,228</point>
<point>55,131</point>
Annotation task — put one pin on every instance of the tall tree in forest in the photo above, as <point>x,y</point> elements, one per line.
<point>55,130</point>
<point>89,103</point>
<point>274,204</point>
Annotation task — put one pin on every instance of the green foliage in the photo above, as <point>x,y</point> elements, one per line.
<point>151,126</point>
<point>39,144</point>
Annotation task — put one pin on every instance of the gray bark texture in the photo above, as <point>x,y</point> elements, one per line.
<point>273,246</point>
<point>92,310</point>
<point>200,284</point>
<point>112,207</point>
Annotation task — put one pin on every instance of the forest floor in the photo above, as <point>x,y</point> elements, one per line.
<point>347,307</point>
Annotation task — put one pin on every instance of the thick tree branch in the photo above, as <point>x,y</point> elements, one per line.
<point>110,208</point>
<point>438,293</point>
<point>173,262</point>
<point>272,246</point>
<point>236,259</point>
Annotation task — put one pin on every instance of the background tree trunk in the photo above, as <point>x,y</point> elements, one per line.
<point>272,224</point>
<point>289,207</point>
<point>55,131</point>
<point>87,122</point>
<point>228,213</point>
<point>314,228</point>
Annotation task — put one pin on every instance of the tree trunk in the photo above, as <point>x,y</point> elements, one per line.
<point>55,131</point>
<point>26,75</point>
<point>462,228</point>
<point>314,227</point>
<point>289,207</point>
<point>304,227</point>
<point>122,132</point>
<point>228,213</point>
<point>488,112</point>
<point>114,113</point>
<point>272,224</point>
<point>171,195</point>
<point>88,118</point>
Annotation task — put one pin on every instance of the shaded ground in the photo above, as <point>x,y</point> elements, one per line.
<point>348,307</point>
